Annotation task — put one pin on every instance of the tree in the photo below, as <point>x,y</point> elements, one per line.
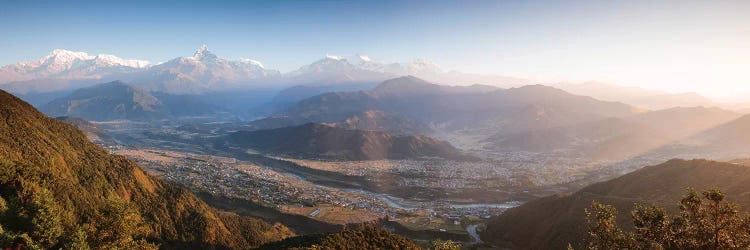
<point>603,230</point>
<point>445,245</point>
<point>707,222</point>
<point>79,241</point>
<point>120,226</point>
<point>3,206</point>
<point>9,240</point>
<point>652,226</point>
<point>46,226</point>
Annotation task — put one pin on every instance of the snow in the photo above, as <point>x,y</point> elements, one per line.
<point>111,60</point>
<point>251,61</point>
<point>423,65</point>
<point>334,57</point>
<point>364,58</point>
<point>203,50</point>
<point>203,66</point>
<point>61,57</point>
<point>64,57</point>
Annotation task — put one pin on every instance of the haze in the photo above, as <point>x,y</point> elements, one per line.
<point>676,46</point>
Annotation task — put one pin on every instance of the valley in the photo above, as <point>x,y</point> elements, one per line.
<point>444,197</point>
<point>350,157</point>
<point>336,196</point>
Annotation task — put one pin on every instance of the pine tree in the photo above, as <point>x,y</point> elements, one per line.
<point>3,206</point>
<point>603,230</point>
<point>120,226</point>
<point>707,222</point>
<point>79,241</point>
<point>46,225</point>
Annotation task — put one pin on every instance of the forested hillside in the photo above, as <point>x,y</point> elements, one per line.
<point>58,189</point>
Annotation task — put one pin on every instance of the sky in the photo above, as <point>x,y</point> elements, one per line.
<point>676,46</point>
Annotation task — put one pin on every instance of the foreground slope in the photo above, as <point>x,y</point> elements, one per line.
<point>555,221</point>
<point>362,237</point>
<point>44,153</point>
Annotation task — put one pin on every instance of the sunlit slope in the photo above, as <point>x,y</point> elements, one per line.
<point>39,153</point>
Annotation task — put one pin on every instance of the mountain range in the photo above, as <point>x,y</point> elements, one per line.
<point>533,118</point>
<point>725,141</point>
<point>206,72</point>
<point>65,64</point>
<point>421,107</point>
<point>617,138</point>
<point>639,97</point>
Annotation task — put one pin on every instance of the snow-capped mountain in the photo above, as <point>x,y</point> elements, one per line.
<point>362,68</point>
<point>334,70</point>
<point>204,71</point>
<point>65,64</point>
<point>417,67</point>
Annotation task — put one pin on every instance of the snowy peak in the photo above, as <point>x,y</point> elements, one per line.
<point>421,65</point>
<point>206,71</point>
<point>66,64</point>
<point>360,68</point>
<point>203,71</point>
<point>363,58</point>
<point>66,56</point>
<point>330,63</point>
<point>251,62</point>
<point>61,57</point>
<point>364,62</point>
<point>201,51</point>
<point>334,70</point>
<point>111,60</point>
<point>202,54</point>
<point>334,57</point>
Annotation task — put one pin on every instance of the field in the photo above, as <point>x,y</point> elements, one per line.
<point>333,214</point>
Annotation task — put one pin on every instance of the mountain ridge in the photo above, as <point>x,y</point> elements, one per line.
<point>555,221</point>
<point>313,140</point>
<point>38,150</point>
<point>119,100</point>
<point>457,107</point>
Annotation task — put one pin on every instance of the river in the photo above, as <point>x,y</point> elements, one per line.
<point>472,230</point>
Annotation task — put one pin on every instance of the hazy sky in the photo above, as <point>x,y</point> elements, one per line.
<point>684,45</point>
